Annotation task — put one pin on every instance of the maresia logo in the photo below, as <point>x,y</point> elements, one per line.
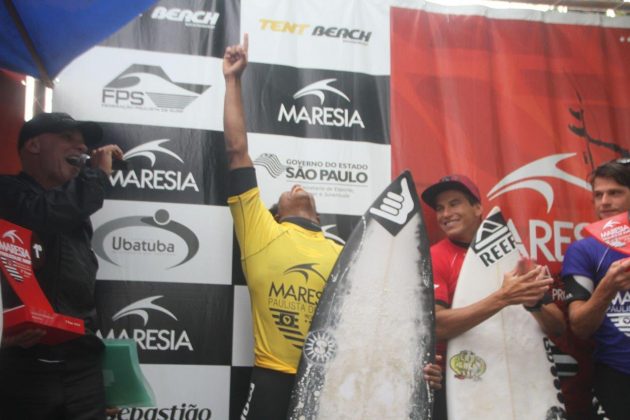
<point>619,312</point>
<point>318,88</point>
<point>12,236</point>
<point>611,224</point>
<point>339,115</point>
<point>292,303</point>
<point>157,339</point>
<point>15,258</point>
<point>141,309</point>
<point>148,87</point>
<point>155,240</point>
<point>305,270</point>
<point>533,176</point>
<point>153,178</point>
<point>12,247</point>
<point>191,18</point>
<point>547,238</point>
<point>173,323</point>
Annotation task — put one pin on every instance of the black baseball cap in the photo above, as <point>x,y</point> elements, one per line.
<point>450,182</point>
<point>56,122</point>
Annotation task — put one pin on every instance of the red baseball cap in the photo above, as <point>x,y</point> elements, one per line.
<point>450,182</point>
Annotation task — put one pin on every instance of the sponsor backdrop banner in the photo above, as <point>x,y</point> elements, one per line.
<point>525,104</point>
<point>317,101</point>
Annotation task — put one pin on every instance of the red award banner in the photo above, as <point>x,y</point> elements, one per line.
<point>36,312</point>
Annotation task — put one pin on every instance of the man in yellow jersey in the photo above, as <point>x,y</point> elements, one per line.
<point>285,257</point>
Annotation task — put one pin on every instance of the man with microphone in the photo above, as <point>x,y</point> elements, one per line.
<point>54,196</point>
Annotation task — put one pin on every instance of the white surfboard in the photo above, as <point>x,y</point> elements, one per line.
<point>499,369</point>
<point>373,329</point>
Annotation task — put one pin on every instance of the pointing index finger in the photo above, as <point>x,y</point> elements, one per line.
<point>246,42</point>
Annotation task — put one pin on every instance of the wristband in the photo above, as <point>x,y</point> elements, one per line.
<point>536,308</point>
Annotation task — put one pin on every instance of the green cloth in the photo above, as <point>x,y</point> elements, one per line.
<point>125,385</point>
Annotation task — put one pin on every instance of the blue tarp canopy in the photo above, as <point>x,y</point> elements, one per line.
<point>40,37</point>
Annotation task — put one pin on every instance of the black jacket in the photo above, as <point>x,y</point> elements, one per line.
<point>60,220</point>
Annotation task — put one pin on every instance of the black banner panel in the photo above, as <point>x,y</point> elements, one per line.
<point>172,323</point>
<point>169,164</point>
<point>316,103</point>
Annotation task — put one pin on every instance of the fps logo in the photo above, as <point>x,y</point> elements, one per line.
<point>318,114</point>
<point>153,178</point>
<point>157,239</point>
<point>148,87</point>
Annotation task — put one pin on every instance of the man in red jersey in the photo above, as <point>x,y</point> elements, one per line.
<point>457,204</point>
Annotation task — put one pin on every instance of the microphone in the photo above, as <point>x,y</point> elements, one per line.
<point>83,160</point>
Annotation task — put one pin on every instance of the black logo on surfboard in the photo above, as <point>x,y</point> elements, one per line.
<point>396,205</point>
<point>493,240</point>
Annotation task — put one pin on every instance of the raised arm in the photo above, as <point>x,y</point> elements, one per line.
<point>234,127</point>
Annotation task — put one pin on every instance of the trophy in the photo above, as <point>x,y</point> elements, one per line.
<point>613,232</point>
<point>17,253</point>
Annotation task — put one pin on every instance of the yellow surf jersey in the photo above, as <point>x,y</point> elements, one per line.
<point>286,267</point>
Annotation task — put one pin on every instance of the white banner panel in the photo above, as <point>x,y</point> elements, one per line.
<point>344,176</point>
<point>146,241</point>
<point>184,392</point>
<point>351,35</point>
<point>142,87</point>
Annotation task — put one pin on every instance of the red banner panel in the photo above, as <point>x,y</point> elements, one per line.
<point>525,108</point>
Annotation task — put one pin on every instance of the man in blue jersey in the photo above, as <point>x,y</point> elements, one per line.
<point>597,285</point>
